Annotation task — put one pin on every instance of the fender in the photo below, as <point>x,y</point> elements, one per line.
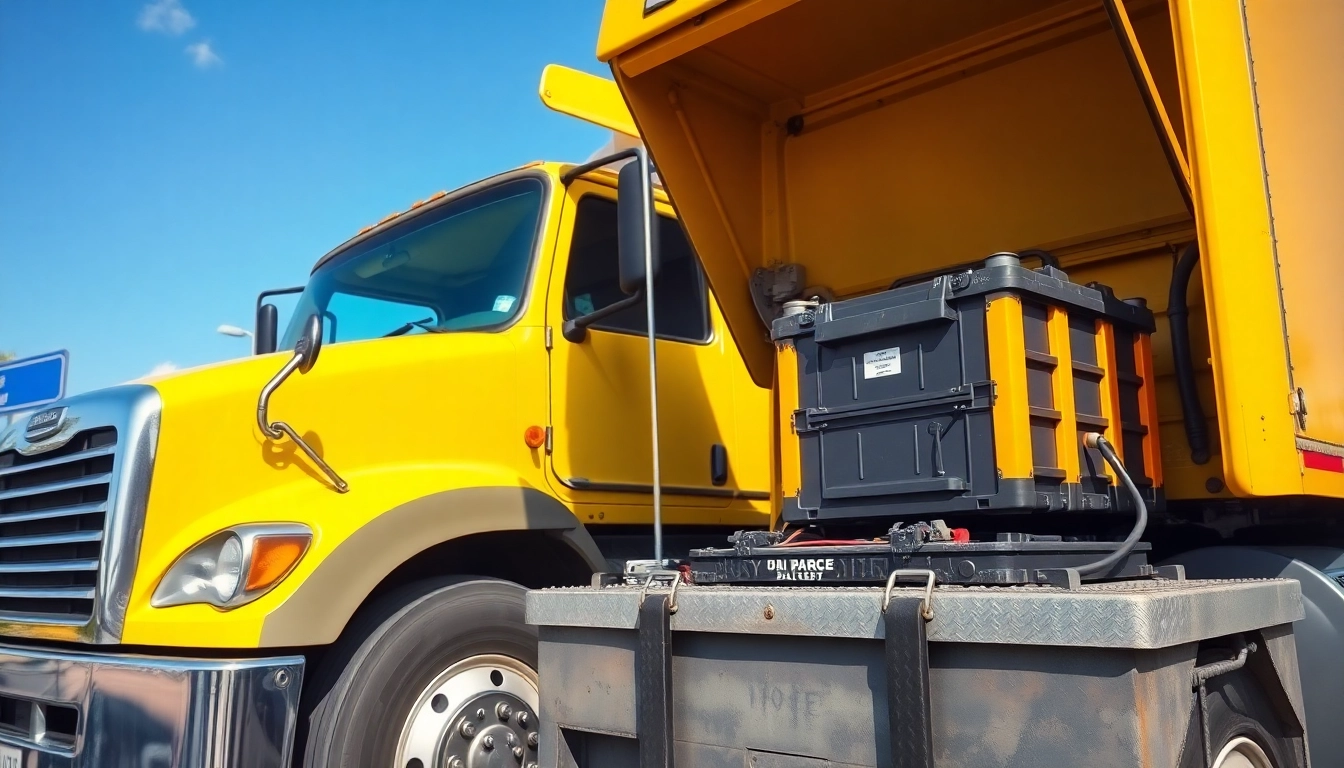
<point>1319,635</point>
<point>319,609</point>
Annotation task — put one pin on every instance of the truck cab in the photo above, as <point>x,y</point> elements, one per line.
<point>335,537</point>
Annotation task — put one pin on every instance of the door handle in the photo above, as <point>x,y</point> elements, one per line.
<point>718,464</point>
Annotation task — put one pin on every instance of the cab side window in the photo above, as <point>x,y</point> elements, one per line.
<point>681,310</point>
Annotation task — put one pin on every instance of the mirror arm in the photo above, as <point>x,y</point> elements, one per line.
<point>264,295</point>
<point>575,330</point>
<point>278,429</point>
<point>592,165</point>
<point>264,400</point>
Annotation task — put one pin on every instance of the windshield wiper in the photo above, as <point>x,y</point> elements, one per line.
<point>426,325</point>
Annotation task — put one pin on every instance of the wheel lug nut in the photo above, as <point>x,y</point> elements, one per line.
<point>510,739</point>
<point>532,739</point>
<point>488,741</point>
<point>531,765</point>
<point>467,730</point>
<point>518,752</point>
<point>503,711</point>
<point>454,762</point>
<point>522,718</point>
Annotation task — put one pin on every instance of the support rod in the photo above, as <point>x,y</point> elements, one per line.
<point>1152,100</point>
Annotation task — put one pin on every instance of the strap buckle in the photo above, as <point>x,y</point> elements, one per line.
<point>925,607</point>
<point>673,576</point>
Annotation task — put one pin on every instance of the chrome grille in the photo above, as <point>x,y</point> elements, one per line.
<point>53,506</point>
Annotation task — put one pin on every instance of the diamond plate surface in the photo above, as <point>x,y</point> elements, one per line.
<point>1140,614</point>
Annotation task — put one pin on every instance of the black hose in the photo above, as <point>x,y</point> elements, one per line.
<point>1105,564</point>
<point>1178,319</point>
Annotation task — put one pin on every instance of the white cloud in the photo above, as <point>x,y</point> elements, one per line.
<point>166,16</point>
<point>203,56</point>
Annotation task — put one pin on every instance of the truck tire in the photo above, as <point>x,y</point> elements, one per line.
<point>1243,729</point>
<point>432,671</point>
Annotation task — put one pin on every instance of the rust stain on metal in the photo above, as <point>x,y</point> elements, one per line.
<point>1141,719</point>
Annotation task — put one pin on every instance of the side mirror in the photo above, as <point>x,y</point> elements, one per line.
<point>635,230</point>
<point>309,343</point>
<point>636,242</point>
<point>264,337</point>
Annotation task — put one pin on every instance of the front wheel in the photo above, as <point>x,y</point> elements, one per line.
<point>434,674</point>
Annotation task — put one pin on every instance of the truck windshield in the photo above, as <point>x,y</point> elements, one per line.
<point>462,266</point>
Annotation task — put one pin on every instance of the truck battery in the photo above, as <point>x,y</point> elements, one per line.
<point>967,392</point>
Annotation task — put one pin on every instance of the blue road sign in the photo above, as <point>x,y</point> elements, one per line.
<point>33,381</point>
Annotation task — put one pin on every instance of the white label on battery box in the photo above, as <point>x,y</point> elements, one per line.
<point>883,362</point>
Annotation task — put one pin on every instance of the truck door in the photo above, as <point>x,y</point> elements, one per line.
<point>601,441</point>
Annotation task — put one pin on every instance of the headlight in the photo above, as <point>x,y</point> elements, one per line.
<point>234,566</point>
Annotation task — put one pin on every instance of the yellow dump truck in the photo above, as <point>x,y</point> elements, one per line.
<point>1045,276</point>
<point>324,558</point>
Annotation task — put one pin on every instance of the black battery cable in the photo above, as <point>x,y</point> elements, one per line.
<point>1103,446</point>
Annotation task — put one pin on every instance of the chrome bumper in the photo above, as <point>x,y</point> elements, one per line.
<point>71,710</point>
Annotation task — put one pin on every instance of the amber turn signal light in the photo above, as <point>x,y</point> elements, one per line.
<point>534,436</point>
<point>273,557</point>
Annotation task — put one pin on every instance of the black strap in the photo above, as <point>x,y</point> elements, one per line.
<point>653,686</point>
<point>907,658</point>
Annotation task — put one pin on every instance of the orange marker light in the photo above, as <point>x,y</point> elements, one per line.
<point>534,436</point>
<point>273,557</point>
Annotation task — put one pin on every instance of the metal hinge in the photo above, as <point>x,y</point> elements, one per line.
<point>1298,406</point>
<point>550,338</point>
<point>550,435</point>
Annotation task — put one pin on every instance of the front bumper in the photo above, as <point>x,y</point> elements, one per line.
<point>68,710</point>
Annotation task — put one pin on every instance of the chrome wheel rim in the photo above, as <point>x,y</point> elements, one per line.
<point>1241,752</point>
<point>480,712</point>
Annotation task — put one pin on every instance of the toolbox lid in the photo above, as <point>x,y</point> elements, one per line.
<point>935,299</point>
<point>1143,615</point>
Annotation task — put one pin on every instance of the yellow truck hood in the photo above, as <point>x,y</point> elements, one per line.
<point>397,418</point>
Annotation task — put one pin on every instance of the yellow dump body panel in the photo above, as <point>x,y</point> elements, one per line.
<point>1298,67</point>
<point>866,141</point>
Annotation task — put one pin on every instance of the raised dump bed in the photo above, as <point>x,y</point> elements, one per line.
<point>1102,675</point>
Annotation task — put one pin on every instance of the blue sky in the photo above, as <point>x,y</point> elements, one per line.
<point>162,161</point>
